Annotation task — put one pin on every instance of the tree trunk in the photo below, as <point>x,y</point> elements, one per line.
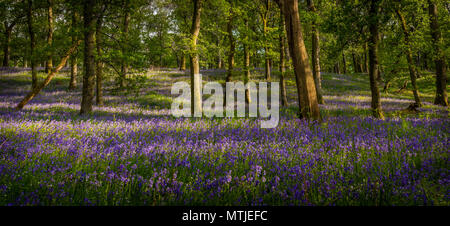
<point>99,63</point>
<point>126,22</point>
<point>355,63</point>
<point>73,58</point>
<point>232,48</point>
<point>49,63</point>
<point>441,77</point>
<point>412,70</point>
<point>247,66</point>
<point>183,62</point>
<point>47,80</point>
<point>196,94</point>
<point>315,54</point>
<point>373,59</point>
<point>32,45</point>
<point>89,60</point>
<point>265,18</point>
<point>282,37</point>
<point>366,60</point>
<point>6,47</point>
<point>306,89</point>
<point>344,63</point>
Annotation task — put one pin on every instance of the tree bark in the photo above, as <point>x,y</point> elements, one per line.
<point>196,94</point>
<point>282,37</point>
<point>183,62</point>
<point>32,45</point>
<point>247,66</point>
<point>73,58</point>
<point>316,55</point>
<point>232,48</point>
<point>306,89</point>
<point>99,62</point>
<point>49,63</point>
<point>126,22</point>
<point>441,77</point>
<point>89,60</point>
<point>366,60</point>
<point>265,18</point>
<point>47,80</point>
<point>373,59</point>
<point>6,47</point>
<point>412,70</point>
<point>344,63</point>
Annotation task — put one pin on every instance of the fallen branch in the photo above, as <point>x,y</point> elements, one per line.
<point>50,76</point>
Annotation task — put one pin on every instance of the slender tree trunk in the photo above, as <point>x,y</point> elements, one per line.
<point>47,80</point>
<point>196,93</point>
<point>247,72</point>
<point>441,77</point>
<point>265,18</point>
<point>366,60</point>
<point>412,70</point>
<point>282,37</point>
<point>126,22</point>
<point>32,45</point>
<point>316,55</point>
<point>6,47</point>
<point>360,63</point>
<point>247,66</point>
<point>183,62</point>
<point>373,59</point>
<point>73,58</point>
<point>355,63</point>
<point>49,63</point>
<point>344,63</point>
<point>232,48</point>
<point>337,68</point>
<point>89,60</point>
<point>99,63</point>
<point>306,88</point>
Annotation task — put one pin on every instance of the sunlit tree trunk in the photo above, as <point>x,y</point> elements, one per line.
<point>306,88</point>
<point>282,37</point>
<point>49,77</point>
<point>373,59</point>
<point>441,77</point>
<point>49,63</point>
<point>247,66</point>
<point>89,60</point>
<point>315,54</point>
<point>412,70</point>
<point>196,94</point>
